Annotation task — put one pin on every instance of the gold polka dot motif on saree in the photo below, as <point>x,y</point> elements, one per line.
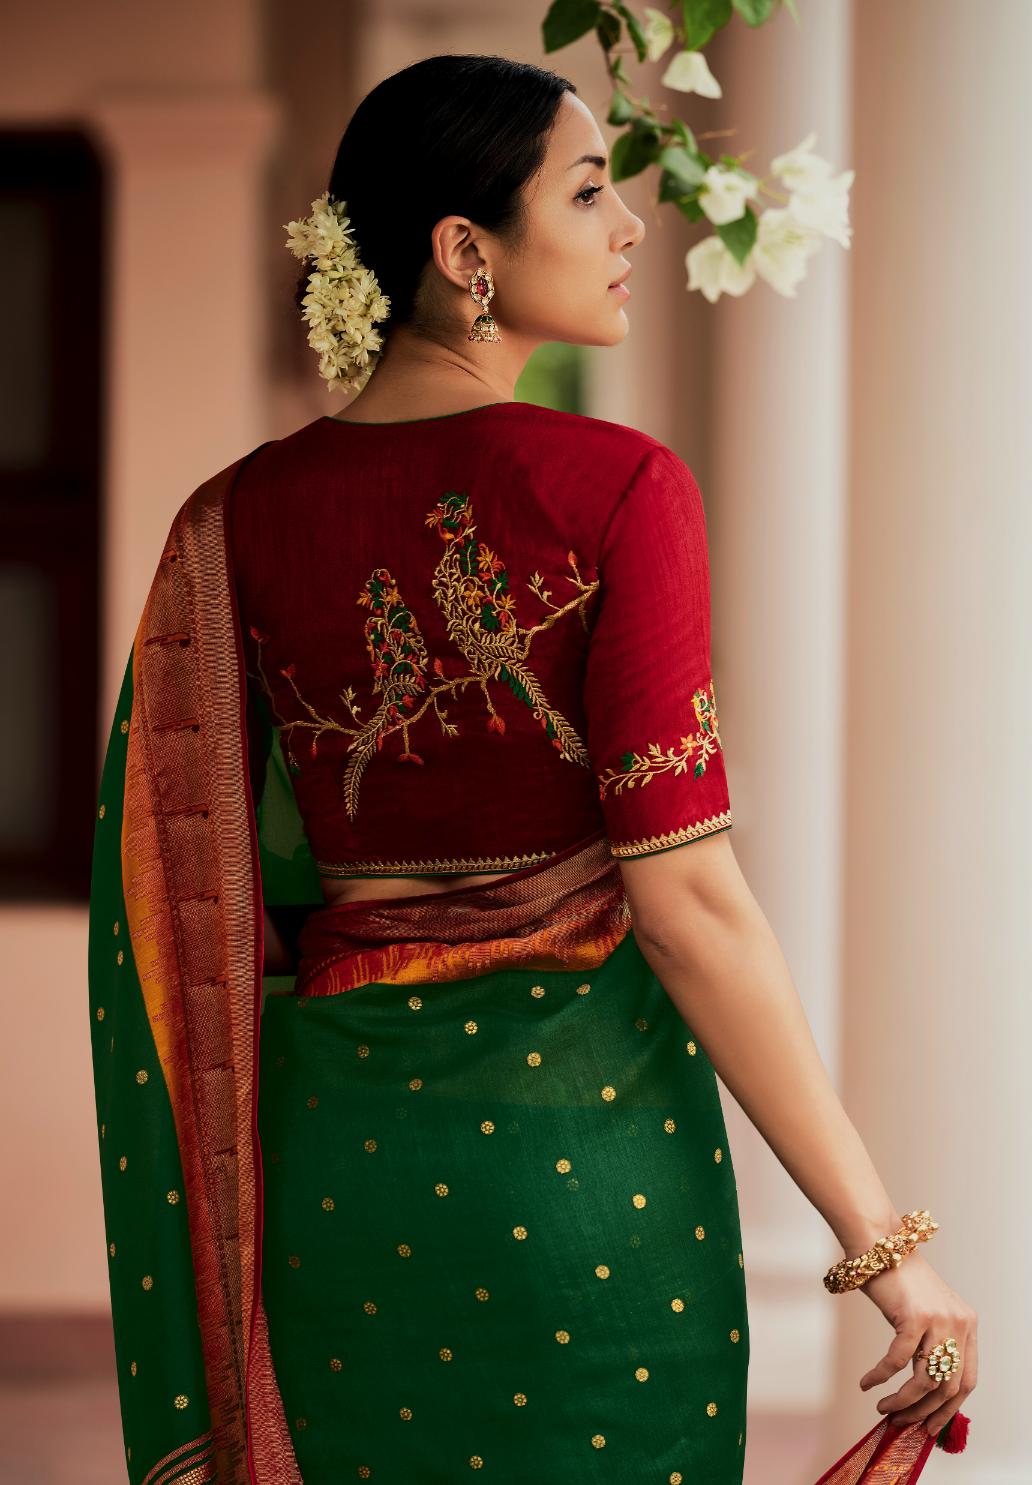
<point>514,1308</point>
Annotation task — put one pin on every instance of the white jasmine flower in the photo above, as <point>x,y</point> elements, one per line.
<point>714,269</point>
<point>800,169</point>
<point>724,193</point>
<point>782,246</point>
<point>659,33</point>
<point>689,72</point>
<point>343,302</point>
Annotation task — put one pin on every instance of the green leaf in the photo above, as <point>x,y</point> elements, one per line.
<point>790,7</point>
<point>618,72</point>
<point>567,21</point>
<point>685,167</point>
<point>687,203</point>
<point>634,29</point>
<point>686,136</point>
<point>701,18</point>
<point>738,237</point>
<point>608,30</point>
<point>633,151</point>
<point>754,12</point>
<point>621,109</point>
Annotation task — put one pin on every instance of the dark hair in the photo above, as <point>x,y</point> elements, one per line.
<point>450,133</point>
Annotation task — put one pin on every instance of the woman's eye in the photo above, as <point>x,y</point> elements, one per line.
<point>590,192</point>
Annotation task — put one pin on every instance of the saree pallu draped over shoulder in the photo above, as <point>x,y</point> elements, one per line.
<point>188,853</point>
<point>176,949</point>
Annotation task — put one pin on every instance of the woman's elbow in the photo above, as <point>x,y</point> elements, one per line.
<point>674,894</point>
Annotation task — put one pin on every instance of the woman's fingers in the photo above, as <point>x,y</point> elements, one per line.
<point>899,1353</point>
<point>969,1377</point>
<point>921,1396</point>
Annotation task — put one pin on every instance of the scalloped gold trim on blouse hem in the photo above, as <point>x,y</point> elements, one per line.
<point>462,865</point>
<point>672,837</point>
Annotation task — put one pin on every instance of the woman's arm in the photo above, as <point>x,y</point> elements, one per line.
<point>711,947</point>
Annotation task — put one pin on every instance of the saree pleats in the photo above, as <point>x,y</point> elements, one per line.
<point>501,1224</point>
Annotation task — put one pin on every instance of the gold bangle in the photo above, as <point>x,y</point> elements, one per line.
<point>887,1252</point>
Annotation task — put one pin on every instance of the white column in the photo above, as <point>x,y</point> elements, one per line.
<point>775,486</point>
<point>186,374</point>
<point>938,945</point>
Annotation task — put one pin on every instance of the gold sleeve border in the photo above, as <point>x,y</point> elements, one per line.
<point>651,843</point>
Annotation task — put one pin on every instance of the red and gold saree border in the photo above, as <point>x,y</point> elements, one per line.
<point>886,1455</point>
<point>568,912</point>
<point>192,888</point>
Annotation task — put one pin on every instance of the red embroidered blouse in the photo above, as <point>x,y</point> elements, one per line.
<point>485,637</point>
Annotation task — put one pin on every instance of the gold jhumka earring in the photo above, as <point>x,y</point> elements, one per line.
<point>481,288</point>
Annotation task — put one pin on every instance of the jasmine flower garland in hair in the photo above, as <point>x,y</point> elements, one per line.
<point>343,302</point>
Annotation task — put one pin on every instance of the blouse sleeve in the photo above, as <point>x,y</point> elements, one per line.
<point>650,703</point>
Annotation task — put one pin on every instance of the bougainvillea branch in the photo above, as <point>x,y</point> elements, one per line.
<point>750,240</point>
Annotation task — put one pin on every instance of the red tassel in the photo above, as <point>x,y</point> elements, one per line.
<point>952,1437</point>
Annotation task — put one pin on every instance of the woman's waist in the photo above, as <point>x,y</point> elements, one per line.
<point>554,913</point>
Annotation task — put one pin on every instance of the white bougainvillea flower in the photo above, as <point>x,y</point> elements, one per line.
<point>659,33</point>
<point>824,206</point>
<point>343,302</point>
<point>724,193</point>
<point>714,269</point>
<point>800,168</point>
<point>782,246</point>
<point>689,72</point>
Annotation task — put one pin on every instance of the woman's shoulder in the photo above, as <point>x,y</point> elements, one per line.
<point>582,448</point>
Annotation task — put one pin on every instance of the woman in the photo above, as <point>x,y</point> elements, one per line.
<point>419,736</point>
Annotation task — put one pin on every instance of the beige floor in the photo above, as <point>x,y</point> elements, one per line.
<point>59,1420</point>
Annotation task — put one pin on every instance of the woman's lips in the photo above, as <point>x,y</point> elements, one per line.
<point>619,289</point>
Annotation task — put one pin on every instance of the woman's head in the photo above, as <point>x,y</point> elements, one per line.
<point>463,162</point>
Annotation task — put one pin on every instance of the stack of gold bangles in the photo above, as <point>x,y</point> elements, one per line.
<point>889,1252</point>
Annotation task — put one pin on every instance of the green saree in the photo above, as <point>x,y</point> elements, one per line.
<point>483,1214</point>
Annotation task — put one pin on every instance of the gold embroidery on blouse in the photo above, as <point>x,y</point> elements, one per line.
<point>672,837</point>
<point>641,768</point>
<point>471,587</point>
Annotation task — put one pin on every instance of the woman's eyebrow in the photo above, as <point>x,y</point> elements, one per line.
<point>599,160</point>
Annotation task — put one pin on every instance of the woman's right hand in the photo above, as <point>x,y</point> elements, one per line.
<point>923,1310</point>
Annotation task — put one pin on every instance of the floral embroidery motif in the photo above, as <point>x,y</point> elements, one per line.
<point>639,768</point>
<point>471,588</point>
